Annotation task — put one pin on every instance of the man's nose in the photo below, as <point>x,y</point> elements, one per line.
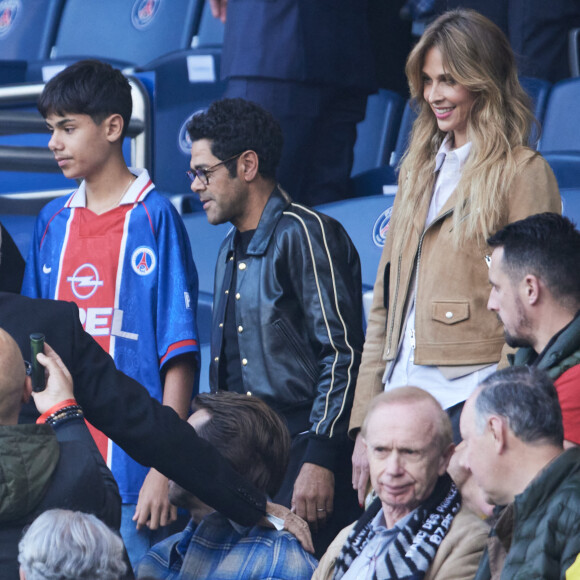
<point>53,143</point>
<point>394,464</point>
<point>197,184</point>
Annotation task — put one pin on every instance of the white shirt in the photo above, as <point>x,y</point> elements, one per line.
<point>403,371</point>
<point>363,566</point>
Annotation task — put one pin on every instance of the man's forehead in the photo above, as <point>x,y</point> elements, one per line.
<point>201,152</point>
<point>55,118</point>
<point>497,258</point>
<point>411,424</point>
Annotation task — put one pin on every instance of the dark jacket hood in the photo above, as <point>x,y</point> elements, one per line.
<point>28,458</point>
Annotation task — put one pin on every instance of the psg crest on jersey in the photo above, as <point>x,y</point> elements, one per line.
<point>9,10</point>
<point>381,227</point>
<point>143,261</point>
<point>144,12</point>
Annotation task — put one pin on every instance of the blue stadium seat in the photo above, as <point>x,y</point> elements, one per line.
<point>409,116</point>
<point>186,82</point>
<point>27,33</point>
<point>376,135</point>
<point>366,221</point>
<point>560,131</point>
<point>571,204</point>
<point>371,182</point>
<point>123,32</point>
<point>538,90</point>
<point>566,167</point>
<point>28,28</point>
<point>210,33</point>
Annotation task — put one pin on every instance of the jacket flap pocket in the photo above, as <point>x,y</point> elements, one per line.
<point>450,312</point>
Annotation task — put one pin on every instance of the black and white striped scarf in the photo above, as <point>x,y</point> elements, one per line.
<point>411,552</point>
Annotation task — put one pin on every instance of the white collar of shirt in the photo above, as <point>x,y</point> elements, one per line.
<point>462,153</point>
<point>137,192</point>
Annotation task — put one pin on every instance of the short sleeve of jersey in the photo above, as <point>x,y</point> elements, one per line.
<point>177,283</point>
<point>37,279</point>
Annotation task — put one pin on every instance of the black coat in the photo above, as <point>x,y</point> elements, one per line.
<point>121,408</point>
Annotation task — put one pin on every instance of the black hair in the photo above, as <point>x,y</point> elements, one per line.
<point>236,125</point>
<point>88,87</point>
<point>546,245</point>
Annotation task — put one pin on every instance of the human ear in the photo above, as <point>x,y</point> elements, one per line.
<point>27,390</point>
<point>249,165</point>
<point>531,286</point>
<point>497,428</point>
<point>114,125</point>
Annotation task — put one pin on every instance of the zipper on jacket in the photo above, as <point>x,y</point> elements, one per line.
<point>394,302</point>
<point>419,250</point>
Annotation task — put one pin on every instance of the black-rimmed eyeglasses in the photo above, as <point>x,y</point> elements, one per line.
<point>203,174</point>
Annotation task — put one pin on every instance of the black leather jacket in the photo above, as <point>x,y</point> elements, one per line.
<point>299,309</point>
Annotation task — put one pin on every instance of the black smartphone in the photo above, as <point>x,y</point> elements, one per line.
<point>37,376</point>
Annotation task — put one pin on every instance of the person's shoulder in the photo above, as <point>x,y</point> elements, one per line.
<point>317,224</point>
<point>53,207</point>
<point>46,306</point>
<point>465,518</point>
<point>526,157</point>
<point>156,200</point>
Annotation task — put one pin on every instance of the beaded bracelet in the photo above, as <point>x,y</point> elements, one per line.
<point>60,405</point>
<point>64,415</point>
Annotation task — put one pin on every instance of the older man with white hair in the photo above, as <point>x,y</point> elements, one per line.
<point>416,527</point>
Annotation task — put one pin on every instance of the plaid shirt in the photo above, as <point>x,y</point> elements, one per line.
<point>221,550</point>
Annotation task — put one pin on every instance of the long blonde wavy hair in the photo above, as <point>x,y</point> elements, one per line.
<point>478,56</point>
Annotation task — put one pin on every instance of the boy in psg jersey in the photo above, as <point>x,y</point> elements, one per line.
<point>119,250</point>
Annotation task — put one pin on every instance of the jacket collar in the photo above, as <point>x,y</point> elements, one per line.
<point>546,483</point>
<point>278,201</point>
<point>138,190</point>
<point>561,345</point>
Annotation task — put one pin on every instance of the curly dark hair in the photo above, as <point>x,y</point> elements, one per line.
<point>236,125</point>
<point>88,87</point>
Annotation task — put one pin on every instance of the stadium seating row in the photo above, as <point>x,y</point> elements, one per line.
<point>38,37</point>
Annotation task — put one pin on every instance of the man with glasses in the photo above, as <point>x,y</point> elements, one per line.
<point>287,319</point>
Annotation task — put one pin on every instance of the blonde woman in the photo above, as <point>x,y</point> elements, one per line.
<point>467,173</point>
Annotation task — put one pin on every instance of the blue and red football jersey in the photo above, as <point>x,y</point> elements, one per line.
<point>131,273</point>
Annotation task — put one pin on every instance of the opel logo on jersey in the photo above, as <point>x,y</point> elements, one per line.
<point>143,261</point>
<point>85,281</point>
<point>381,227</point>
<point>8,12</point>
<point>183,139</point>
<point>144,12</point>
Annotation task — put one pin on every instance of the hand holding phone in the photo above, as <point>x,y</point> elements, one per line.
<point>37,376</point>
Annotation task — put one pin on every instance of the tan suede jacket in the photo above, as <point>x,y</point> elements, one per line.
<point>452,325</point>
<point>457,557</point>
